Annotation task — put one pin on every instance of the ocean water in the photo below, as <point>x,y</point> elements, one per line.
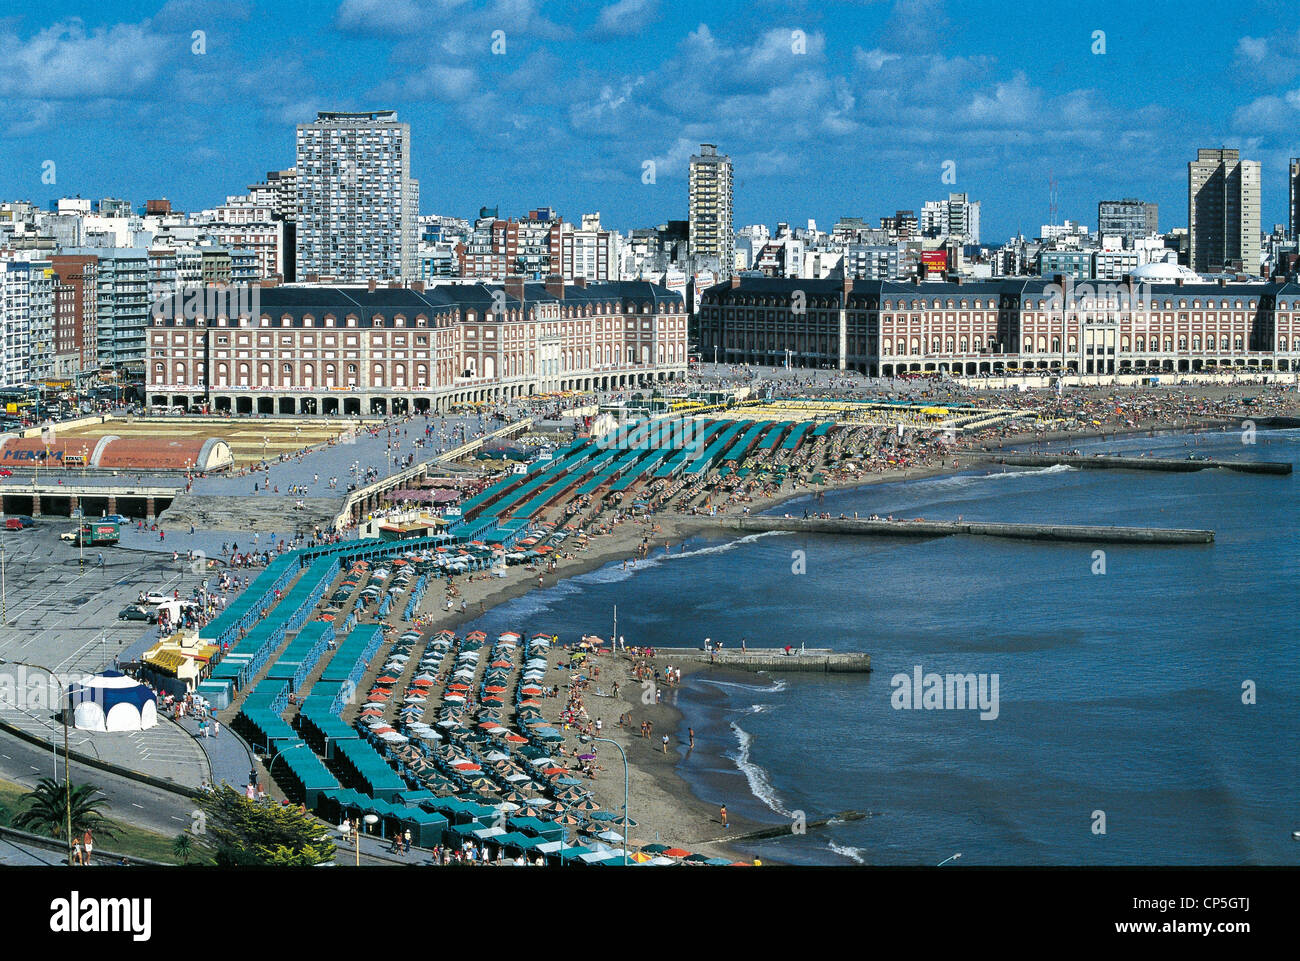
<point>1121,736</point>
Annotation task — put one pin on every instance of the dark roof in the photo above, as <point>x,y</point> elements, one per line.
<point>441,301</point>
<point>1286,292</point>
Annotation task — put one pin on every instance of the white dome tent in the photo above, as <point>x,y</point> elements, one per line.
<point>112,702</point>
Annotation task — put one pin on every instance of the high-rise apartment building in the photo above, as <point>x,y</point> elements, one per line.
<point>1223,212</point>
<point>957,218</point>
<point>711,203</point>
<point>81,274</point>
<point>1293,196</point>
<point>357,205</point>
<point>1127,218</point>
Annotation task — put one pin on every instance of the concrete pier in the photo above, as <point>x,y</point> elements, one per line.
<point>921,528</point>
<point>814,660</point>
<point>1167,464</point>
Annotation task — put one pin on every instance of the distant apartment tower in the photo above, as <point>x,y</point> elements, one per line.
<point>711,208</point>
<point>1223,212</point>
<point>357,205</point>
<point>957,218</point>
<point>1128,218</point>
<point>903,227</point>
<point>1293,196</point>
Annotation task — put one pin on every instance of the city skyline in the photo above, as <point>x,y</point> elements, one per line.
<point>854,110</point>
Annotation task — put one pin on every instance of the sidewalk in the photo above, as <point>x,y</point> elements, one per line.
<point>166,751</point>
<point>227,753</point>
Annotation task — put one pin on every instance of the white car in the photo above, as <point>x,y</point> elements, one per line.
<point>155,598</point>
<point>69,535</point>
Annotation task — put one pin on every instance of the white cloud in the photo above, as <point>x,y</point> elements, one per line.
<point>626,17</point>
<point>874,59</point>
<point>65,61</point>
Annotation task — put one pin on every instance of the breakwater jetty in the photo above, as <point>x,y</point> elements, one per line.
<point>1103,462</point>
<point>813,660</point>
<point>924,528</point>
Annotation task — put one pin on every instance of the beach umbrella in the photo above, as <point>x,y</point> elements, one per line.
<point>720,862</point>
<point>639,857</point>
<point>675,853</point>
<point>568,818</point>
<point>696,859</point>
<point>654,848</point>
<point>611,836</point>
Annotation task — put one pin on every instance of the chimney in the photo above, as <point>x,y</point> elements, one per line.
<point>394,285</point>
<point>555,286</point>
<point>417,286</point>
<point>372,285</point>
<point>580,283</point>
<point>1223,281</point>
<point>514,286</point>
<point>273,281</point>
<point>735,281</point>
<point>847,285</point>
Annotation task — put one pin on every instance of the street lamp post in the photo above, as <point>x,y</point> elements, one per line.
<point>622,754</point>
<point>67,777</point>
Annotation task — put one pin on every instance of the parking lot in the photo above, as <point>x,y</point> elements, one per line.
<point>63,617</point>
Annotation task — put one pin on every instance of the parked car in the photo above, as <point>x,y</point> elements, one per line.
<point>154,597</point>
<point>6,472</point>
<point>134,612</point>
<point>18,522</point>
<point>116,519</point>
<point>71,535</point>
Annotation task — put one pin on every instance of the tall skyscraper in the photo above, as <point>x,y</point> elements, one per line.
<point>957,218</point>
<point>711,208</point>
<point>1293,196</point>
<point>1127,218</point>
<point>1223,212</point>
<point>357,205</point>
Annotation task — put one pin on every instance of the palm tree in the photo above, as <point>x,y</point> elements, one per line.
<point>46,810</point>
<point>183,847</point>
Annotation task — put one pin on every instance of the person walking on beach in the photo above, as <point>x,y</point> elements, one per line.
<point>723,812</point>
<point>690,733</point>
<point>665,743</point>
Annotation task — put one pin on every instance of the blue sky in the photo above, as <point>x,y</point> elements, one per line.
<point>859,123</point>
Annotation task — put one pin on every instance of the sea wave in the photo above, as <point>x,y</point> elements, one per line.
<point>721,548</point>
<point>774,688</point>
<point>760,785</point>
<point>843,850</point>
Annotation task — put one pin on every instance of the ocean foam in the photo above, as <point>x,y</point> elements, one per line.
<point>760,785</point>
<point>853,854</point>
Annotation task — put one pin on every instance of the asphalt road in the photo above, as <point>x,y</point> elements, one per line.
<point>62,616</point>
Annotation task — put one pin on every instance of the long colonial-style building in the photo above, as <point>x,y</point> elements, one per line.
<point>349,350</point>
<point>1155,320</point>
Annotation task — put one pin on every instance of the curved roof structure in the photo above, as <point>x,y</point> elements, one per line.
<point>123,453</point>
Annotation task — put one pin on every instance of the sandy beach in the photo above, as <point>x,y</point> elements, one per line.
<point>662,804</point>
